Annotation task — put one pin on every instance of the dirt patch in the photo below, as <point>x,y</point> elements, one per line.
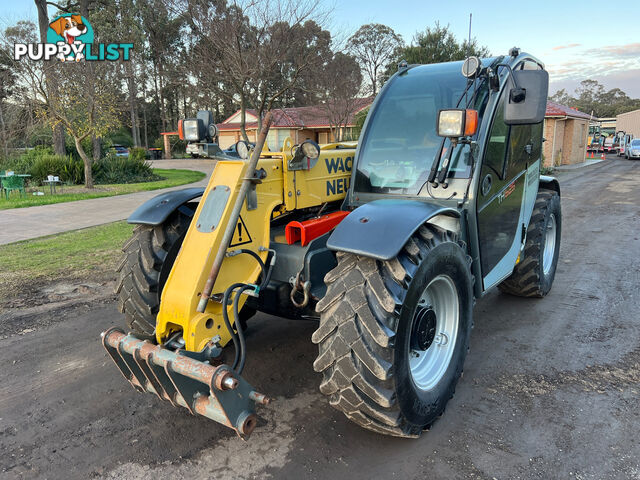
<point>41,303</point>
<point>619,376</point>
<point>269,446</point>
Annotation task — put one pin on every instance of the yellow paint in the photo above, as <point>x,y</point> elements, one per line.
<point>184,285</point>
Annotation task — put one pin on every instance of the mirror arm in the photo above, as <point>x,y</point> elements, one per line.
<point>508,67</point>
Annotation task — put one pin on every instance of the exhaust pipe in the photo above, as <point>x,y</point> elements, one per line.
<point>217,393</point>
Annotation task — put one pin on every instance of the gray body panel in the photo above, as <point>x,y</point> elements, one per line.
<point>381,228</point>
<point>156,210</point>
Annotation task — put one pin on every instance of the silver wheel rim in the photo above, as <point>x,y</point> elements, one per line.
<point>429,365</point>
<point>549,245</point>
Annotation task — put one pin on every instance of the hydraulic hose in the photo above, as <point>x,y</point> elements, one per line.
<point>236,314</point>
<point>225,316</point>
<point>263,268</point>
<point>237,335</point>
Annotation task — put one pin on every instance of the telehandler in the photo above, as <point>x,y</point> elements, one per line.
<point>387,245</point>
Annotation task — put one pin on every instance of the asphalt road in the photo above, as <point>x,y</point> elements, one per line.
<point>551,387</point>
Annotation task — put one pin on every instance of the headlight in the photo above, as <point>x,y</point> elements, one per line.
<point>190,128</point>
<point>456,123</point>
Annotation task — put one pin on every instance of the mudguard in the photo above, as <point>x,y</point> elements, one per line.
<point>379,229</point>
<point>156,210</point>
<point>550,183</point>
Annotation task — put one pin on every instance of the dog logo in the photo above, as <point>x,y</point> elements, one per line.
<point>73,30</point>
<point>70,39</point>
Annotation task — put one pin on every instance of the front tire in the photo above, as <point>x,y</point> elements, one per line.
<point>148,257</point>
<point>533,276</point>
<point>393,335</point>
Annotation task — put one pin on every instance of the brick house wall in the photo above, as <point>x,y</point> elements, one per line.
<point>566,131</point>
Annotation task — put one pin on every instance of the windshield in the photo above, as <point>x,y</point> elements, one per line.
<point>400,142</point>
<point>635,143</point>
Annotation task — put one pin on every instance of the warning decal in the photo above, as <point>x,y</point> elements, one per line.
<point>241,235</point>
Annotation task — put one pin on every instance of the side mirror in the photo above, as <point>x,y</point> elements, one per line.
<point>527,97</point>
<point>456,123</point>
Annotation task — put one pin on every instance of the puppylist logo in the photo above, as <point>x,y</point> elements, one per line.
<point>70,38</point>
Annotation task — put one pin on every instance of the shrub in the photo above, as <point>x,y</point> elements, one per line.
<point>67,168</point>
<point>41,162</point>
<point>137,153</point>
<point>22,163</point>
<point>114,169</point>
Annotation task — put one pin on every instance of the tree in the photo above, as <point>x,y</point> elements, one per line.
<point>591,96</point>
<point>562,97</point>
<point>257,50</point>
<point>51,77</point>
<point>373,46</point>
<point>8,80</point>
<point>341,79</point>
<point>436,45</point>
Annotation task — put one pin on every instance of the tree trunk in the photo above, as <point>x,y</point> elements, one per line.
<point>243,119</point>
<point>97,147</point>
<point>163,108</point>
<point>131,84</point>
<point>88,175</point>
<point>159,100</point>
<point>51,80</point>
<point>146,129</point>
<point>5,144</point>
<point>90,87</point>
<point>374,80</point>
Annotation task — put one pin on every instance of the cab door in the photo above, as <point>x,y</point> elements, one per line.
<point>500,196</point>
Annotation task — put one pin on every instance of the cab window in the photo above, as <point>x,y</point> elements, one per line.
<point>498,138</point>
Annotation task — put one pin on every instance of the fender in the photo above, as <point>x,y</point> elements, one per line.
<point>381,228</point>
<point>550,183</point>
<point>156,210</point>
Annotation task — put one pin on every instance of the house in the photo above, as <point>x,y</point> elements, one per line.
<point>299,123</point>
<point>565,131</point>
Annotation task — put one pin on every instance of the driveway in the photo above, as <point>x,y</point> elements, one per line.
<point>551,387</point>
<point>32,222</point>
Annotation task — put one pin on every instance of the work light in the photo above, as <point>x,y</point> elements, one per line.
<point>456,123</point>
<point>190,129</point>
<point>310,149</point>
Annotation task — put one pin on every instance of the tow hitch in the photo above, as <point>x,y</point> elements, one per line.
<point>217,393</point>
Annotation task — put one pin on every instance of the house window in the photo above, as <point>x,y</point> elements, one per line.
<point>276,138</point>
<point>272,140</point>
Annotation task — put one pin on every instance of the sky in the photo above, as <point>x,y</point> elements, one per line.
<point>575,40</point>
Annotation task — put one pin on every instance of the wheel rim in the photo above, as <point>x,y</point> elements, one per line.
<point>434,332</point>
<point>549,245</point>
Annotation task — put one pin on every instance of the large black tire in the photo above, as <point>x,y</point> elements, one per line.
<point>529,278</point>
<point>366,323</point>
<point>148,257</point>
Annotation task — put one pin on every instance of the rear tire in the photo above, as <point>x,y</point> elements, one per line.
<point>370,321</point>
<point>148,257</point>
<point>533,276</point>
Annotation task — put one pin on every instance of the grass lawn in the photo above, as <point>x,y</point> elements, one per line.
<point>87,253</point>
<point>171,178</point>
